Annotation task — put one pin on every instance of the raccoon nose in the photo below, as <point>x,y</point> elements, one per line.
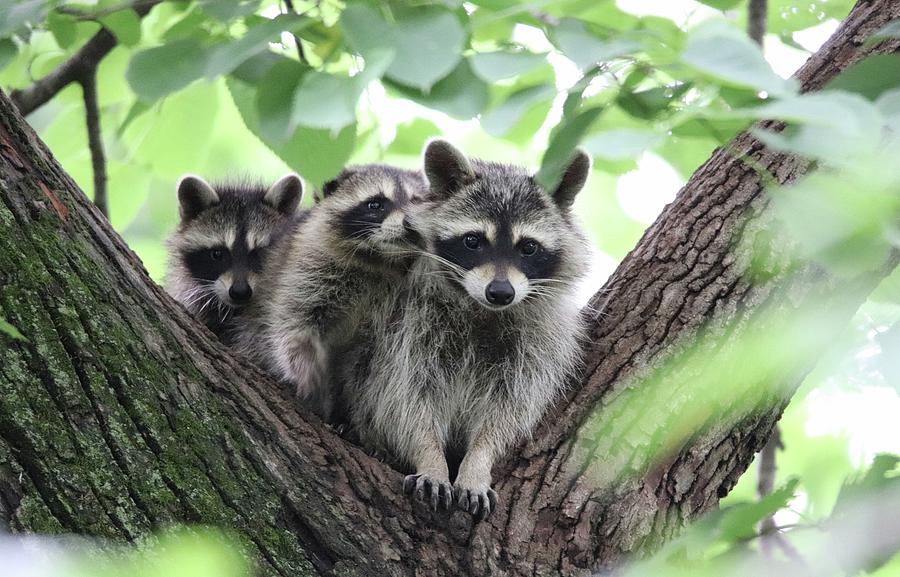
<point>240,292</point>
<point>500,292</point>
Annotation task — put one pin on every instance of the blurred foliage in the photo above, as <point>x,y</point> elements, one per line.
<point>177,552</point>
<point>219,88</point>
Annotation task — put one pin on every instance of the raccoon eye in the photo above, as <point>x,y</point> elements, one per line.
<point>216,254</point>
<point>529,247</point>
<point>375,205</point>
<point>472,241</point>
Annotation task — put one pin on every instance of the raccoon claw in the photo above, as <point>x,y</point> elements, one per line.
<point>478,503</point>
<point>429,491</point>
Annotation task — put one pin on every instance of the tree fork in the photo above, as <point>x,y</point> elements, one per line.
<point>120,415</point>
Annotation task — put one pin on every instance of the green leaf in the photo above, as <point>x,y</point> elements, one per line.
<point>365,29</point>
<point>14,15</point>
<point>63,28</point>
<point>789,16</point>
<point>125,25</point>
<point>562,144</point>
<point>622,144</point>
<point>275,100</point>
<point>891,30</point>
<point>653,102</point>
<point>324,101</point>
<point>871,77</point>
<point>11,331</point>
<point>586,50</point>
<point>500,120</point>
<point>734,60</point>
<point>176,136</point>
<point>123,208</point>
<point>462,95</point>
<point>315,154</point>
<point>412,136</point>
<point>888,290</point>
<point>8,51</point>
<point>254,69</point>
<point>879,475</point>
<point>739,522</point>
<point>227,11</point>
<point>721,4</point>
<point>156,72</point>
<point>837,126</point>
<point>224,58</point>
<point>494,66</point>
<point>426,42</point>
<point>137,109</point>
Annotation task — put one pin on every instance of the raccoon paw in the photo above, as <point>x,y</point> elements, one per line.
<point>478,502</point>
<point>428,490</point>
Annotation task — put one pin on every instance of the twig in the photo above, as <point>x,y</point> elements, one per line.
<point>289,4</point>
<point>95,139</point>
<point>766,484</point>
<point>74,69</point>
<point>757,12</point>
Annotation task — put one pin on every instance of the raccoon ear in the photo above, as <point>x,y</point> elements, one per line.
<point>194,196</point>
<point>285,195</point>
<point>446,168</point>
<point>332,185</point>
<point>573,179</point>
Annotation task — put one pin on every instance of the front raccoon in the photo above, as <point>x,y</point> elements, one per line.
<point>324,280</point>
<point>217,252</point>
<point>487,332</point>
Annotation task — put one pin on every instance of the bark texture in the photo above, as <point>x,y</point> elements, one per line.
<point>120,415</point>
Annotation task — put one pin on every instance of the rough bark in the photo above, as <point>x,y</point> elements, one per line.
<point>120,415</point>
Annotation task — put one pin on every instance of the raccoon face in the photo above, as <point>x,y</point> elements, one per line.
<point>504,238</point>
<point>225,233</point>
<point>371,205</point>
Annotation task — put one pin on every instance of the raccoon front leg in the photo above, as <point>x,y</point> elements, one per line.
<point>302,360</point>
<point>472,488</point>
<point>431,482</point>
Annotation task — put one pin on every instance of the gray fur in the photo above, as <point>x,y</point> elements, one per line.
<point>322,281</point>
<point>441,373</point>
<point>222,215</point>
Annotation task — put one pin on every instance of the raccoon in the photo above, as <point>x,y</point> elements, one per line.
<point>485,332</point>
<point>225,235</point>
<point>323,281</point>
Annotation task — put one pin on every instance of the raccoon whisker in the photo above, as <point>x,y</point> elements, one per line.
<point>551,281</point>
<point>449,275</point>
<point>194,296</point>
<point>452,266</point>
<point>211,299</point>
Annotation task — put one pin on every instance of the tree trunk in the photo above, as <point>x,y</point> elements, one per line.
<point>120,415</point>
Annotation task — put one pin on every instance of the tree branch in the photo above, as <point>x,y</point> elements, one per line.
<point>87,58</point>
<point>95,139</point>
<point>757,12</point>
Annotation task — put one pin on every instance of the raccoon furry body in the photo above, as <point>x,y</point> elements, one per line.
<point>331,273</point>
<point>481,339</point>
<point>224,236</point>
